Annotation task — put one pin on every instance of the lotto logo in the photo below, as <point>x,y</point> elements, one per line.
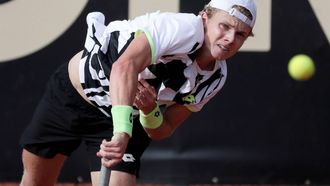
<point>189,99</point>
<point>128,158</point>
<point>157,114</point>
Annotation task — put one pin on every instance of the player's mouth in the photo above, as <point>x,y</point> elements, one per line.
<point>226,49</point>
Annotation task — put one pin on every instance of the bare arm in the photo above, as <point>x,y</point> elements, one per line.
<point>124,73</point>
<point>123,83</point>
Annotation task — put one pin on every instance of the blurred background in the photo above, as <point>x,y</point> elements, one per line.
<point>262,128</point>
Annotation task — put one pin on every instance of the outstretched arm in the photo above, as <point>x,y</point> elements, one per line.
<point>124,73</point>
<point>123,83</point>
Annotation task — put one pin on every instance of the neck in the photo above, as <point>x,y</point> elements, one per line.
<point>205,61</point>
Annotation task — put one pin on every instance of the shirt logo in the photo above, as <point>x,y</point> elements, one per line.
<point>189,99</point>
<point>157,114</point>
<point>128,158</point>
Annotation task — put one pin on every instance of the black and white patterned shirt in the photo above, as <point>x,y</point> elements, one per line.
<point>173,38</point>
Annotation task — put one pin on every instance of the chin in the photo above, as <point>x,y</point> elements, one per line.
<point>220,57</point>
<point>224,56</point>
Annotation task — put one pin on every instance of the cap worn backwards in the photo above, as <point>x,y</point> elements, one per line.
<point>227,5</point>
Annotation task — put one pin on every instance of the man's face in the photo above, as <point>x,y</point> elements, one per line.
<point>224,34</point>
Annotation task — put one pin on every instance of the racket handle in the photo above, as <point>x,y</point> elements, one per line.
<point>104,176</point>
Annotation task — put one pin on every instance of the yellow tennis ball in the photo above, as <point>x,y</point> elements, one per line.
<point>301,67</point>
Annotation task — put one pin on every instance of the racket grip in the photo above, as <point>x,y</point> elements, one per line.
<point>104,176</point>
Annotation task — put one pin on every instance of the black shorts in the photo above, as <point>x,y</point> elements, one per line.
<point>63,119</point>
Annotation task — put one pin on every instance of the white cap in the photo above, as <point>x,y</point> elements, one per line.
<point>227,5</point>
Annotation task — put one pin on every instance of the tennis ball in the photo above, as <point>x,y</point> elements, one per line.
<point>301,67</point>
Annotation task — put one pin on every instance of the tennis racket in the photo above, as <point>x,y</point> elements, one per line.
<point>104,176</point>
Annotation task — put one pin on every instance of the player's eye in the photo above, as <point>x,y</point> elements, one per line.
<point>224,26</point>
<point>240,34</point>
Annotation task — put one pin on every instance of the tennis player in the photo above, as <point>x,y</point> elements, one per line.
<point>135,80</point>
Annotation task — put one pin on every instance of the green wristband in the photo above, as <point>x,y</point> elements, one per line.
<point>122,119</point>
<point>152,120</point>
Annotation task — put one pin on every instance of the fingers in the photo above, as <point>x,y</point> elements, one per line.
<point>141,93</point>
<point>110,148</point>
<point>146,89</point>
<point>144,99</point>
<point>144,83</point>
<point>138,102</point>
<point>111,152</point>
<point>110,163</point>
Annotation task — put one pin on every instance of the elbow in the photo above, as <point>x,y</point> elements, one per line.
<point>158,135</point>
<point>120,66</point>
<point>165,130</point>
<point>129,66</point>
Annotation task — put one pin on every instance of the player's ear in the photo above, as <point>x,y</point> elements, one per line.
<point>204,17</point>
